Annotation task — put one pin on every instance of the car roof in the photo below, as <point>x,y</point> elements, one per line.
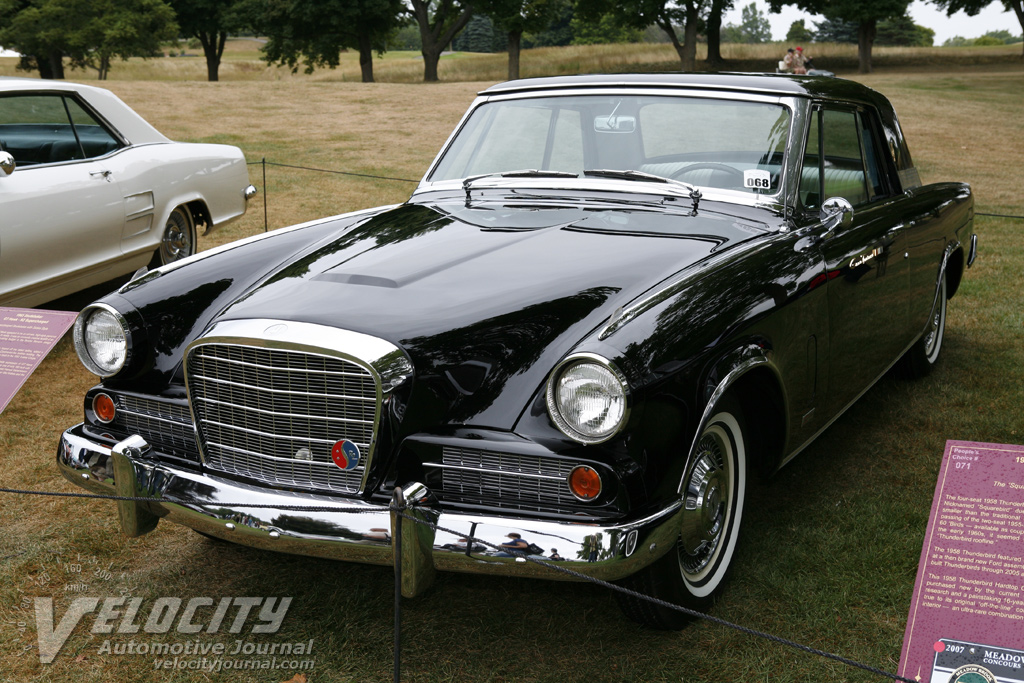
<point>130,125</point>
<point>784,85</point>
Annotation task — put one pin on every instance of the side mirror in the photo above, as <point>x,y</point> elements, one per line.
<point>836,212</point>
<point>7,164</point>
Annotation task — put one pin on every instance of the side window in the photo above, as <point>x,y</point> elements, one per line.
<point>872,156</point>
<point>95,140</point>
<point>43,129</point>
<point>810,176</point>
<point>843,170</point>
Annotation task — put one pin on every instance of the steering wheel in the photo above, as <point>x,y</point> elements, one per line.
<point>711,165</point>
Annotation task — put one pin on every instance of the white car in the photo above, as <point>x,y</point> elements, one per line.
<point>89,191</point>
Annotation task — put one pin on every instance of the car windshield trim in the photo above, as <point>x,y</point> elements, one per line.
<point>559,153</point>
<point>523,173</point>
<point>642,177</point>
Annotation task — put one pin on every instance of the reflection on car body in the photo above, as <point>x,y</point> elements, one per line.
<point>89,191</point>
<point>609,303</point>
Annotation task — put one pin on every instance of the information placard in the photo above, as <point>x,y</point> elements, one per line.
<point>966,621</point>
<point>26,336</point>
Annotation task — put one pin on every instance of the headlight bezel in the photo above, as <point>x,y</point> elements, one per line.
<point>81,345</point>
<point>553,402</point>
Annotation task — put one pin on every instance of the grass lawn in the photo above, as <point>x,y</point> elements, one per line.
<point>830,545</point>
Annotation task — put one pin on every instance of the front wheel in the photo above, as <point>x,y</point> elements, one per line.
<point>713,491</point>
<point>178,240</point>
<point>919,360</point>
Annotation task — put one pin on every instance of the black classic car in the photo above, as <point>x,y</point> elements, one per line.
<point>611,301</point>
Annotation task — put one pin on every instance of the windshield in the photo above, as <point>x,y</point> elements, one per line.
<point>719,143</point>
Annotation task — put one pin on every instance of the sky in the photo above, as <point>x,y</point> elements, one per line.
<point>992,18</point>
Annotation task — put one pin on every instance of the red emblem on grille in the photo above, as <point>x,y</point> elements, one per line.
<point>345,454</point>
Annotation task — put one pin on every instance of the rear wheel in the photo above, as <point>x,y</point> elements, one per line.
<point>713,492</point>
<point>919,360</point>
<point>178,240</point>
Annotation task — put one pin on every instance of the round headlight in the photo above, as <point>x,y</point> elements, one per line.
<point>101,340</point>
<point>587,399</point>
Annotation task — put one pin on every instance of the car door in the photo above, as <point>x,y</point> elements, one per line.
<point>864,256</point>
<point>63,213</point>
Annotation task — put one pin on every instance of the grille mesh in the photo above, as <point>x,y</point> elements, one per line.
<point>166,426</point>
<point>273,415</point>
<point>472,474</point>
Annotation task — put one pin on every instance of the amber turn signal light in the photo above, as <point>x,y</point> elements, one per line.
<point>585,483</point>
<point>104,408</point>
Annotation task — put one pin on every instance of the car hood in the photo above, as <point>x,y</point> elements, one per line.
<point>485,300</point>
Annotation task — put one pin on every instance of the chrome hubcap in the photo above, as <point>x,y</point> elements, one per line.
<point>176,243</point>
<point>704,508</point>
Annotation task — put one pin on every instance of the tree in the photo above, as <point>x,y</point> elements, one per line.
<point>799,33</point>
<point>558,32</point>
<point>835,31</point>
<point>864,13</point>
<point>713,31</point>
<point>315,32</point>
<point>972,7</point>
<point>90,33</point>
<point>668,14</point>
<point>515,17</point>
<point>211,21</point>
<point>605,31</point>
<point>902,31</point>
<point>754,27</point>
<point>26,28</point>
<point>478,36</point>
<point>1004,36</point>
<point>439,22</point>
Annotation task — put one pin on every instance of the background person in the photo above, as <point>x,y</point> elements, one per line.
<point>800,61</point>
<point>786,65</point>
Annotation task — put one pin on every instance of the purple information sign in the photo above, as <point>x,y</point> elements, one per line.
<point>26,336</point>
<point>966,620</point>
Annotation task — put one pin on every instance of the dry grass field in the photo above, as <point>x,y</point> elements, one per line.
<point>829,560</point>
<point>242,62</point>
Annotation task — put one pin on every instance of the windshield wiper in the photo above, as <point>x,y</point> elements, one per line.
<point>524,173</point>
<point>695,194</point>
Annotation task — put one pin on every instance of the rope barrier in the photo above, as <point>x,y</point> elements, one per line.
<point>998,215</point>
<point>399,507</point>
<point>326,170</point>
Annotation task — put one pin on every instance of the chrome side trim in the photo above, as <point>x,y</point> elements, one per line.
<point>973,253</point>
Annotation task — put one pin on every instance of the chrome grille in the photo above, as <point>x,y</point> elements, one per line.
<point>166,426</point>
<point>273,415</point>
<point>471,474</point>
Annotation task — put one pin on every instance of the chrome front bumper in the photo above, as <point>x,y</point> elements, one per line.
<point>359,531</point>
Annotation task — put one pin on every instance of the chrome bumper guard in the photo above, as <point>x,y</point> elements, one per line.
<point>360,531</point>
